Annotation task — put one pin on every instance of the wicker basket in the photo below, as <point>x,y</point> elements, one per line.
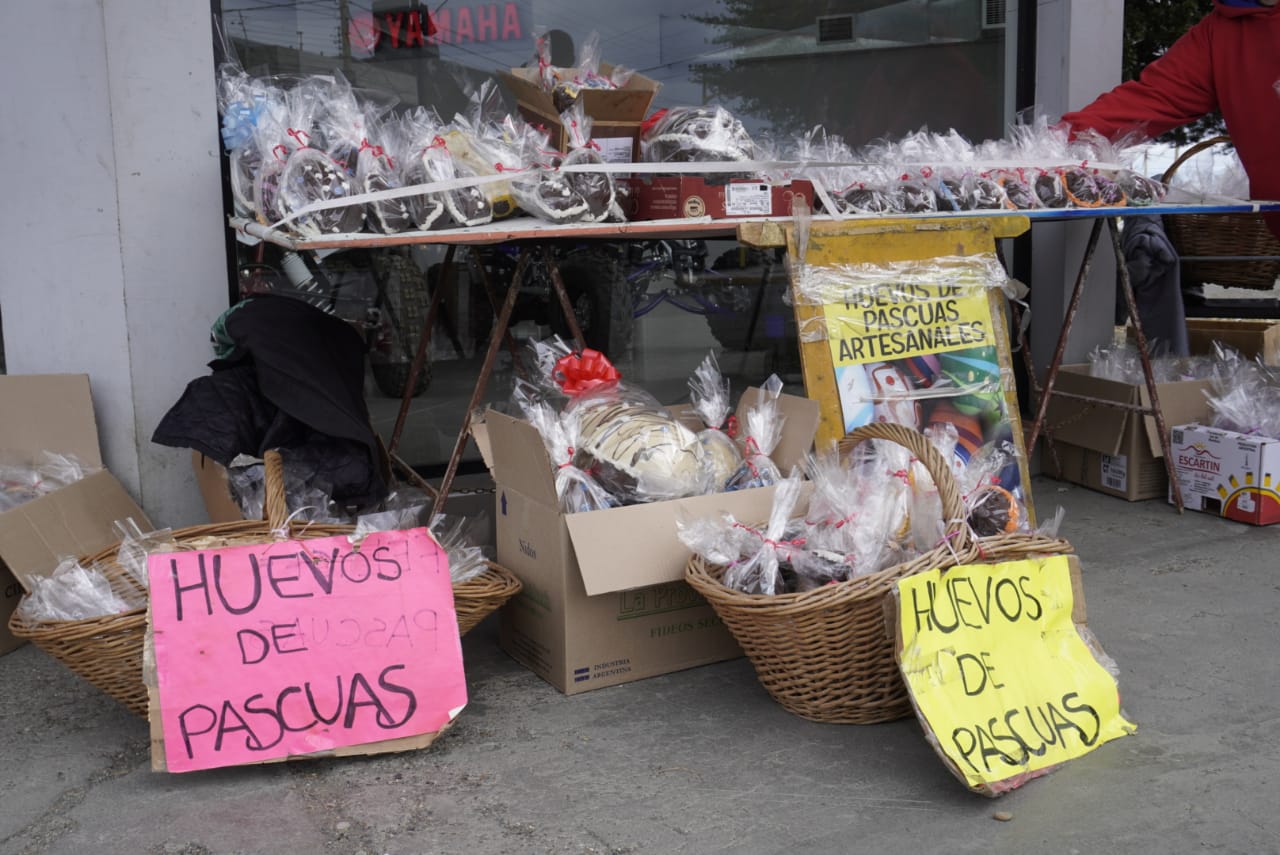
<point>825,654</point>
<point>477,598</point>
<point>107,651</point>
<point>1225,235</point>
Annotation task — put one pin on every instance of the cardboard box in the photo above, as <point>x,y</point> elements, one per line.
<point>1233,475</point>
<point>616,114</point>
<point>53,412</point>
<point>211,478</point>
<point>671,197</point>
<point>1254,339</point>
<point>604,599</point>
<point>1109,449</point>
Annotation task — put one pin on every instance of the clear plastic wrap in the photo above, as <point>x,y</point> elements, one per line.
<point>310,174</point>
<point>1123,363</point>
<point>420,128</point>
<point>638,453</point>
<point>72,592</point>
<point>488,142</point>
<point>577,490</point>
<point>392,519</point>
<point>379,167</point>
<point>857,515</point>
<point>1244,395</point>
<point>709,396</point>
<point>695,135</point>
<point>992,508</point>
<point>754,557</point>
<point>136,545</point>
<point>467,205</point>
<point>21,481</point>
<point>760,436</point>
<point>456,536</point>
<point>761,571</point>
<point>247,106</point>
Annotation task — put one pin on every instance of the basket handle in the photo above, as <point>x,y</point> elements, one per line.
<point>274,507</point>
<point>953,509</point>
<point>1191,152</point>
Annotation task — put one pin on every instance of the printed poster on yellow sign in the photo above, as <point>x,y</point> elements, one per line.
<point>923,344</point>
<point>999,673</point>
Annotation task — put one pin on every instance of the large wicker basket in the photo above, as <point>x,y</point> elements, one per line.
<point>1240,236</point>
<point>825,654</point>
<point>107,651</point>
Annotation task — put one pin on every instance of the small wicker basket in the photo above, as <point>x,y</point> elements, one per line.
<point>826,654</point>
<point>1236,235</point>
<point>107,651</point>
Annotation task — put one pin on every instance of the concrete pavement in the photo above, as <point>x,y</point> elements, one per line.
<point>703,761</point>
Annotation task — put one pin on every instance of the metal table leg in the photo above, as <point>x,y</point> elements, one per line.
<point>486,368</point>
<point>557,283</point>
<point>420,357</point>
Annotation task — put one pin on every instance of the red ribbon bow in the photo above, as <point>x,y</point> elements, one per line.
<point>581,372</point>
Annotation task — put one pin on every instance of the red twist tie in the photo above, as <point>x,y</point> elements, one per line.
<point>581,372</point>
<point>276,149</point>
<point>568,462</point>
<point>298,137</point>
<point>731,427</point>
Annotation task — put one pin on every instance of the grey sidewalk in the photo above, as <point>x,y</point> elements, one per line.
<point>704,761</point>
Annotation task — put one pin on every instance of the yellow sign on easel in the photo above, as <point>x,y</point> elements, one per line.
<point>903,320</point>
<point>999,673</point>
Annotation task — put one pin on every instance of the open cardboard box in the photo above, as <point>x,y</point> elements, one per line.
<point>616,114</point>
<point>1255,339</point>
<point>604,599</point>
<point>53,412</point>
<point>1109,449</point>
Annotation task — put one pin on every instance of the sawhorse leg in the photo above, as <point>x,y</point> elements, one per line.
<point>496,338</point>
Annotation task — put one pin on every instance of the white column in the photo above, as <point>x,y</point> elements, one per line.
<point>1078,57</point>
<point>113,260</point>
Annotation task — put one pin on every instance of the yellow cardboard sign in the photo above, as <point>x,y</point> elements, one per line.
<point>999,672</point>
<point>884,322</point>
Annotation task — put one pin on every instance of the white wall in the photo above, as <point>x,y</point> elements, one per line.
<point>1078,57</point>
<point>112,258</point>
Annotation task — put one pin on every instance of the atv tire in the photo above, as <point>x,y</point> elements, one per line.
<point>601,301</point>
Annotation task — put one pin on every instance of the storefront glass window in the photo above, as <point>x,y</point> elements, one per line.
<point>862,69</point>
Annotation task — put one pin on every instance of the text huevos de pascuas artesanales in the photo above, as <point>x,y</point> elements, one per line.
<point>900,320</point>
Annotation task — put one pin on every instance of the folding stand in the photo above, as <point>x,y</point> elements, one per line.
<point>497,336</point>
<point>1153,406</point>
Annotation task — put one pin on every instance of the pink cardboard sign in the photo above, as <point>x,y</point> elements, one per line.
<point>283,649</point>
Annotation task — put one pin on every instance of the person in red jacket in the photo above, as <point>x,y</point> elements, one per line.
<point>1229,61</point>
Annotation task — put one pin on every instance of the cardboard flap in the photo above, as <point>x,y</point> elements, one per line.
<point>211,478</point>
<point>801,415</point>
<point>1095,427</point>
<point>480,433</point>
<point>635,546</point>
<point>519,457</point>
<point>73,522</point>
<point>1180,403</point>
<point>48,412</point>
